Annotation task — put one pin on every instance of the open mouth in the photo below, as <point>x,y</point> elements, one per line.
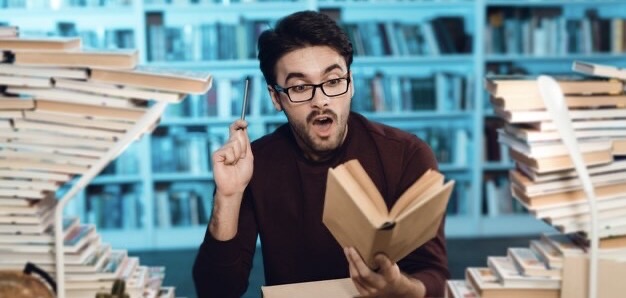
<point>323,121</point>
<point>323,125</point>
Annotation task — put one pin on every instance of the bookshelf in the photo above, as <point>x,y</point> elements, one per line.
<point>451,116</point>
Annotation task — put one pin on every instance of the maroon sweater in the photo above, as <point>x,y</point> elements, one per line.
<point>284,201</point>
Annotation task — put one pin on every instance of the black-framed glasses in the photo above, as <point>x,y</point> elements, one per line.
<point>306,92</point>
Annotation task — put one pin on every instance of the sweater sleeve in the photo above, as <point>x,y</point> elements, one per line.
<point>222,268</point>
<point>428,263</point>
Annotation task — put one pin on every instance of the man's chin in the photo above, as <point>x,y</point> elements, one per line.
<point>325,147</point>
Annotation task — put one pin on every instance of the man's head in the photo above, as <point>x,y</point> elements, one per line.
<point>306,63</point>
<point>299,30</point>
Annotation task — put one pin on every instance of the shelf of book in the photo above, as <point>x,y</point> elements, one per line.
<point>399,5</point>
<point>447,124</point>
<point>531,3</point>
<point>567,58</point>
<point>264,9</point>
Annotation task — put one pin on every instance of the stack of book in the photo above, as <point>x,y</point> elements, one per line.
<point>534,271</point>
<point>62,108</point>
<point>545,182</point>
<point>544,179</point>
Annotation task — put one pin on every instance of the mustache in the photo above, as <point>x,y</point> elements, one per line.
<point>328,113</point>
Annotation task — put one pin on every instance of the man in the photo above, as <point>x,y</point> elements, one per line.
<point>275,186</point>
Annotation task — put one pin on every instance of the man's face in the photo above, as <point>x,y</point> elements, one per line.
<point>320,125</point>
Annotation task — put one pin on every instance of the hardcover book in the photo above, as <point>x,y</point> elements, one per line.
<point>356,214</point>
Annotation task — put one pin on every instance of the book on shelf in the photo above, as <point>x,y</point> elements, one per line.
<point>575,115</point>
<point>78,257</point>
<point>22,184</point>
<point>613,223</point>
<point>52,44</point>
<point>586,124</point>
<point>487,285</point>
<point>599,70</point>
<point>563,243</point>
<point>577,208</point>
<point>9,31</point>
<point>615,166</point>
<point>533,202</point>
<point>55,94</point>
<point>356,214</point>
<point>87,110</point>
<point>562,162</point>
<point>527,143</point>
<point>515,87</point>
<point>156,78</point>
<point>109,59</point>
<point>15,103</point>
<point>552,257</point>
<point>29,206</point>
<point>531,135</point>
<point>44,72</point>
<point>102,134</point>
<point>509,276</point>
<point>114,263</point>
<point>459,289</point>
<point>530,264</point>
<point>118,90</point>
<point>24,81</point>
<point>531,188</point>
<point>528,102</point>
<point>74,120</point>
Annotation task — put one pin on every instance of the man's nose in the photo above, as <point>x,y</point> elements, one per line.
<point>319,99</point>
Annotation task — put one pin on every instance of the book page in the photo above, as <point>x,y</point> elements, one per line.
<point>349,214</point>
<point>429,181</point>
<point>364,180</point>
<point>418,224</point>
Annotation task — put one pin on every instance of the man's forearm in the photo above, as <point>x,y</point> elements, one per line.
<point>225,218</point>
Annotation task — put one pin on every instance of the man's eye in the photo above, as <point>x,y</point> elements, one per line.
<point>300,88</point>
<point>333,82</point>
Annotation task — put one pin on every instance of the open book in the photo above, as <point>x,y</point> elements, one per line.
<point>356,214</point>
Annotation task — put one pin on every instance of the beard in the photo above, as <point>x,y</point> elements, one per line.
<point>313,144</point>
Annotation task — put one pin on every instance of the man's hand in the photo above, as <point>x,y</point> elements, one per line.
<point>233,162</point>
<point>387,281</point>
<point>232,170</point>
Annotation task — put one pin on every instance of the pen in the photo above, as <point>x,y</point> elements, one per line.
<point>244,106</point>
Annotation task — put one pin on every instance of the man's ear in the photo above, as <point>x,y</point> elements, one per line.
<point>275,98</point>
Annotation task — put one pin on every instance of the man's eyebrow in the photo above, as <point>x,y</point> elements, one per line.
<point>293,75</point>
<point>332,67</point>
<point>301,75</point>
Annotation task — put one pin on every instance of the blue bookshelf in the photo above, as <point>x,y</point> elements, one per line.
<point>453,124</point>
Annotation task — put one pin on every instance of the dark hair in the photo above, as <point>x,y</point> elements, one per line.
<point>299,30</point>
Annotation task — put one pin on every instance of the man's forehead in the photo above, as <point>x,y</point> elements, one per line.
<point>310,62</point>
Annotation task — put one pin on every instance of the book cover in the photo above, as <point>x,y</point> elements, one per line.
<point>156,78</point>
<point>599,70</point>
<point>40,44</point>
<point>106,59</point>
